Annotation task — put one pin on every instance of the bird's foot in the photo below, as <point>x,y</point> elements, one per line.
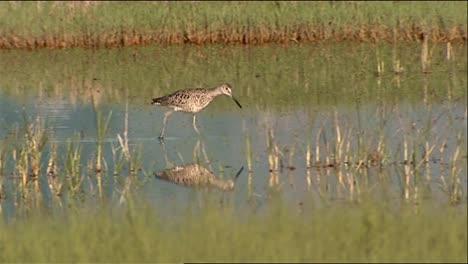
<point>161,138</point>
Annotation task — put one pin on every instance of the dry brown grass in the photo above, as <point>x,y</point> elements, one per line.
<point>255,36</point>
<point>89,24</point>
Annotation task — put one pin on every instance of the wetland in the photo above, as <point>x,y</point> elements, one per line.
<point>349,152</point>
<point>305,106</point>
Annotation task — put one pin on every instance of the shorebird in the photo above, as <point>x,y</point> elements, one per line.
<point>193,175</point>
<point>191,100</point>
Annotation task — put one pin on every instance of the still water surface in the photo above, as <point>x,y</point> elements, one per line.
<point>299,94</point>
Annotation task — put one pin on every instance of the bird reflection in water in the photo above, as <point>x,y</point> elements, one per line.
<point>195,175</point>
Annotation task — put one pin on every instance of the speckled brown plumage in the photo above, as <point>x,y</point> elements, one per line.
<point>193,174</point>
<point>191,100</point>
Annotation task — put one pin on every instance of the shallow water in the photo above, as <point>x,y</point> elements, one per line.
<point>302,94</point>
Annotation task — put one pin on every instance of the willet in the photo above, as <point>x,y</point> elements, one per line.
<point>191,100</point>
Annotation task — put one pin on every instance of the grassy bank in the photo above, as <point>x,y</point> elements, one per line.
<point>102,24</point>
<point>343,233</point>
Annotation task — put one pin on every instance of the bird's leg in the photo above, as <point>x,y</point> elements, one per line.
<point>166,115</point>
<point>168,163</point>
<point>195,151</point>
<point>207,160</point>
<point>194,124</point>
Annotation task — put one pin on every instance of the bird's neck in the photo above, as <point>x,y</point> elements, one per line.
<point>221,184</point>
<point>215,92</point>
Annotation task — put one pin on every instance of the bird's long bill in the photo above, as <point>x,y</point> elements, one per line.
<point>238,173</point>
<point>237,102</point>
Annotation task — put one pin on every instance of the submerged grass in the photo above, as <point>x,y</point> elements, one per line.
<point>352,233</point>
<point>37,24</point>
<point>270,77</point>
<point>316,80</point>
<point>337,153</point>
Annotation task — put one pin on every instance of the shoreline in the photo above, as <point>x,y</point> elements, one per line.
<point>253,37</point>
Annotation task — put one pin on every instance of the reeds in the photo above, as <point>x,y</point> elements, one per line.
<point>425,52</point>
<point>455,190</point>
<point>73,164</point>
<point>27,153</point>
<point>354,167</point>
<point>248,155</point>
<point>92,24</point>
<point>274,160</point>
<point>248,151</point>
<point>353,162</point>
<point>102,125</point>
<point>132,156</point>
<point>344,166</point>
<point>64,174</point>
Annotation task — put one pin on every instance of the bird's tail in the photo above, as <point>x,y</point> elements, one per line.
<point>156,101</point>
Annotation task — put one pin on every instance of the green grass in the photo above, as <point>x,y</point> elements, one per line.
<point>342,233</point>
<point>273,77</point>
<point>170,22</point>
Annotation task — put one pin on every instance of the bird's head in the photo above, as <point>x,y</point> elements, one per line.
<point>226,89</point>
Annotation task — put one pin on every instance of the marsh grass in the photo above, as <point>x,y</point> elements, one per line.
<point>73,166</point>
<point>248,150</point>
<point>117,158</point>
<point>369,232</point>
<point>105,24</point>
<point>28,147</point>
<point>357,154</point>
<point>349,223</point>
<point>347,147</point>
<point>338,152</point>
<point>102,126</point>
<point>303,74</point>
